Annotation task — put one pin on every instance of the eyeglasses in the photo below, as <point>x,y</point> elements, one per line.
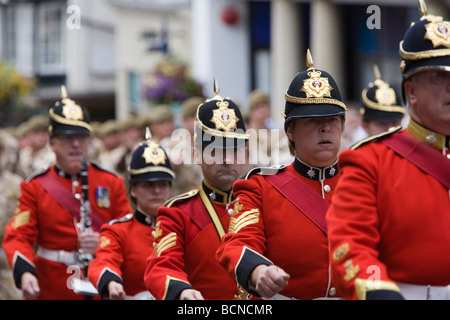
<point>439,78</point>
<point>72,137</point>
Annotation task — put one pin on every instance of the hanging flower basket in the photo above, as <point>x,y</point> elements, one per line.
<point>12,84</point>
<point>171,82</point>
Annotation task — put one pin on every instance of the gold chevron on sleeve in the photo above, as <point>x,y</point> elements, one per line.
<point>244,219</point>
<point>167,242</point>
<point>21,219</point>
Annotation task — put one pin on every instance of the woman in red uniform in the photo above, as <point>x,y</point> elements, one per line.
<point>120,260</point>
<point>277,244</point>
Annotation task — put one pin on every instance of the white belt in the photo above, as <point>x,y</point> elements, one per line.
<point>278,297</point>
<point>85,287</point>
<point>282,297</point>
<point>143,295</point>
<point>424,292</point>
<point>65,257</point>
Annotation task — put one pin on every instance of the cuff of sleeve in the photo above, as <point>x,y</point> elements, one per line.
<point>370,290</point>
<point>174,288</point>
<point>384,295</point>
<point>248,261</point>
<point>106,277</point>
<point>20,266</point>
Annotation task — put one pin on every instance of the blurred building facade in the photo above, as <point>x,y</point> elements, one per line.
<point>102,50</point>
<point>59,43</point>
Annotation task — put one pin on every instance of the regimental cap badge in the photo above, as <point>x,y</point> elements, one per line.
<point>149,162</point>
<point>312,93</point>
<point>426,44</point>
<point>70,109</point>
<point>384,94</point>
<point>68,117</point>
<point>379,100</point>
<point>153,153</point>
<point>437,31</point>
<point>223,117</point>
<point>217,119</point>
<point>316,86</point>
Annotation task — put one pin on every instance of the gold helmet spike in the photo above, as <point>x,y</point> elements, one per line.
<point>148,134</point>
<point>422,8</point>
<point>216,90</point>
<point>216,86</point>
<point>376,72</point>
<point>64,92</point>
<point>309,60</point>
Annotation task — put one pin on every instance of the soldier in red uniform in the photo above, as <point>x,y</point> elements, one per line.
<point>381,107</point>
<point>389,223</point>
<point>121,258</point>
<point>277,245</point>
<point>61,209</point>
<point>190,226</point>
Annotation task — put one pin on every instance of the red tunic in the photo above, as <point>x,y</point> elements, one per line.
<point>121,256</point>
<point>186,242</point>
<point>389,222</point>
<point>269,229</point>
<point>40,219</point>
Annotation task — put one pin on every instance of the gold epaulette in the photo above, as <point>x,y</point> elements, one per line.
<point>375,137</point>
<point>182,196</point>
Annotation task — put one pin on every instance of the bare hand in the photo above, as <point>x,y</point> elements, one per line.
<point>191,294</point>
<point>30,285</point>
<point>268,280</point>
<point>116,291</point>
<point>88,241</point>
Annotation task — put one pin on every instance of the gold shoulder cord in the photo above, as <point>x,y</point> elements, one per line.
<point>212,213</point>
<point>242,293</point>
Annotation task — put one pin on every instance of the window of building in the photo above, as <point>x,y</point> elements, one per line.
<point>260,39</point>
<point>365,47</point>
<point>134,92</point>
<point>50,54</point>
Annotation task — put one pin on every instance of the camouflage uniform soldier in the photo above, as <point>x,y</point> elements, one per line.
<point>111,151</point>
<point>37,154</point>
<point>9,194</point>
<point>189,175</point>
<point>268,145</point>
